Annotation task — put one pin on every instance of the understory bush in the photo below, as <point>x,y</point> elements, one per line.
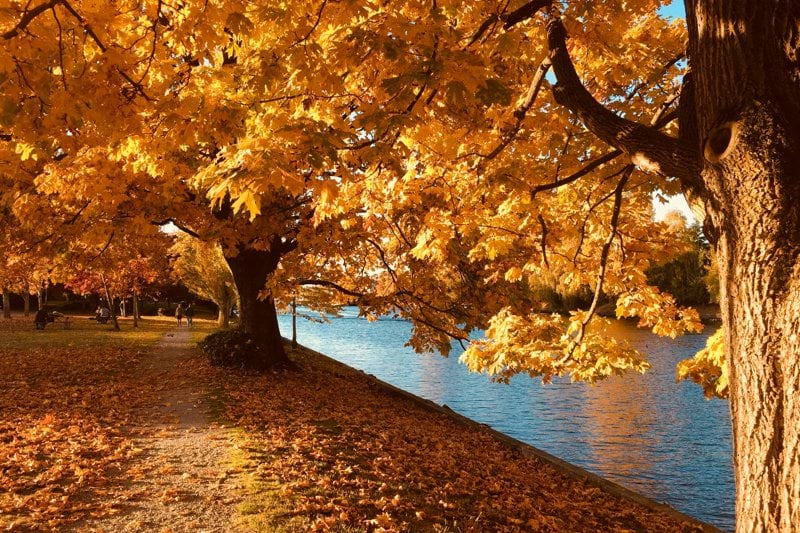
<point>234,348</point>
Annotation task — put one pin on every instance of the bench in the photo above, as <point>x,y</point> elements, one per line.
<point>60,318</point>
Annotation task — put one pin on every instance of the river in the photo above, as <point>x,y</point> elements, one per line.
<point>646,432</point>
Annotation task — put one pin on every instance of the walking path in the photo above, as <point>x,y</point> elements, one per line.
<point>183,476</point>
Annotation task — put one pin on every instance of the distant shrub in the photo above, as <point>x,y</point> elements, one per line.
<point>73,306</point>
<point>684,277</point>
<point>148,308</point>
<point>234,348</point>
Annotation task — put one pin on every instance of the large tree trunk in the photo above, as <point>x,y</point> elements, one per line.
<point>746,92</point>
<point>251,269</point>
<point>738,160</point>
<point>26,300</point>
<point>6,304</point>
<point>757,250</point>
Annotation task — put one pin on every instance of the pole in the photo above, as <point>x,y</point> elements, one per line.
<point>294,323</point>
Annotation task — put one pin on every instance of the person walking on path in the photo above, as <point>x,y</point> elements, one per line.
<point>179,314</point>
<point>189,312</point>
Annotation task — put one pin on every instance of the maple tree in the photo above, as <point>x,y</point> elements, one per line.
<point>22,271</point>
<point>202,268</point>
<point>411,158</point>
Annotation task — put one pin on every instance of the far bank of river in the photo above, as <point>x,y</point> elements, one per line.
<point>646,432</point>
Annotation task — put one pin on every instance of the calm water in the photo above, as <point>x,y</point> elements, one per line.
<point>648,433</point>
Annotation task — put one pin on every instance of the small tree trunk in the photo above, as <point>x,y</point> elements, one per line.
<point>224,309</point>
<point>251,270</point>
<point>135,309</point>
<point>26,300</point>
<point>6,304</point>
<point>110,303</point>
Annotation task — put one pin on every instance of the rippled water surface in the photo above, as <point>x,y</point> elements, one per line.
<point>646,432</point>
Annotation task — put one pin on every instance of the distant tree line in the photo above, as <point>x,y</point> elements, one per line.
<point>691,276</point>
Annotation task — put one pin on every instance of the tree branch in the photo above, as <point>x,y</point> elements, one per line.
<point>330,285</point>
<point>522,110</point>
<point>660,119</point>
<point>314,26</point>
<point>28,17</point>
<point>181,227</point>
<point>647,147</point>
<point>601,274</point>
<point>137,87</point>
<point>523,13</point>
<point>641,85</point>
<point>108,243</point>
<point>596,163</point>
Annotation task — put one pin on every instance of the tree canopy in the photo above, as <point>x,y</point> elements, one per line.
<point>405,154</point>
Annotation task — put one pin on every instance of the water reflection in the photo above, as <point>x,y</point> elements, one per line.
<point>647,432</point>
<point>620,424</point>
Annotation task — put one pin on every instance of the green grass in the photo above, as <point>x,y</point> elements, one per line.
<point>264,508</point>
<point>19,333</point>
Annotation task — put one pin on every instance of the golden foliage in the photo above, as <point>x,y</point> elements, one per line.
<point>387,153</point>
<point>708,367</point>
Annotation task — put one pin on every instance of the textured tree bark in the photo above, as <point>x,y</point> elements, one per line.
<point>224,307</point>
<point>757,250</point>
<point>26,303</point>
<point>743,57</point>
<point>258,317</point>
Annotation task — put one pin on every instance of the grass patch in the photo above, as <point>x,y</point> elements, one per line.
<point>19,333</point>
<point>266,504</point>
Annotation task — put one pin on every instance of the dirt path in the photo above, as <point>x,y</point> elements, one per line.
<point>183,478</point>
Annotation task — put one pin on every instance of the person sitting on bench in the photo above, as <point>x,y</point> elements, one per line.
<point>41,318</point>
<point>103,314</point>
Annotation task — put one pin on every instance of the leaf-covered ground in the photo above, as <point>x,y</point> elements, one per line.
<point>115,431</point>
<point>65,398</point>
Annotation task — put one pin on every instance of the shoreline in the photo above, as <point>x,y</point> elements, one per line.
<point>570,470</point>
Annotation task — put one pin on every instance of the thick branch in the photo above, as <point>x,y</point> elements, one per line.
<point>28,17</point>
<point>330,285</point>
<point>524,12</point>
<point>647,147</point>
<point>181,227</point>
<point>659,121</point>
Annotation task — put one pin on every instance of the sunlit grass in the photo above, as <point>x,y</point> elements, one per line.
<point>83,332</point>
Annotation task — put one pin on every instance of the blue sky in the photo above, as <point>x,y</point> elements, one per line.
<point>674,10</point>
<point>676,203</point>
